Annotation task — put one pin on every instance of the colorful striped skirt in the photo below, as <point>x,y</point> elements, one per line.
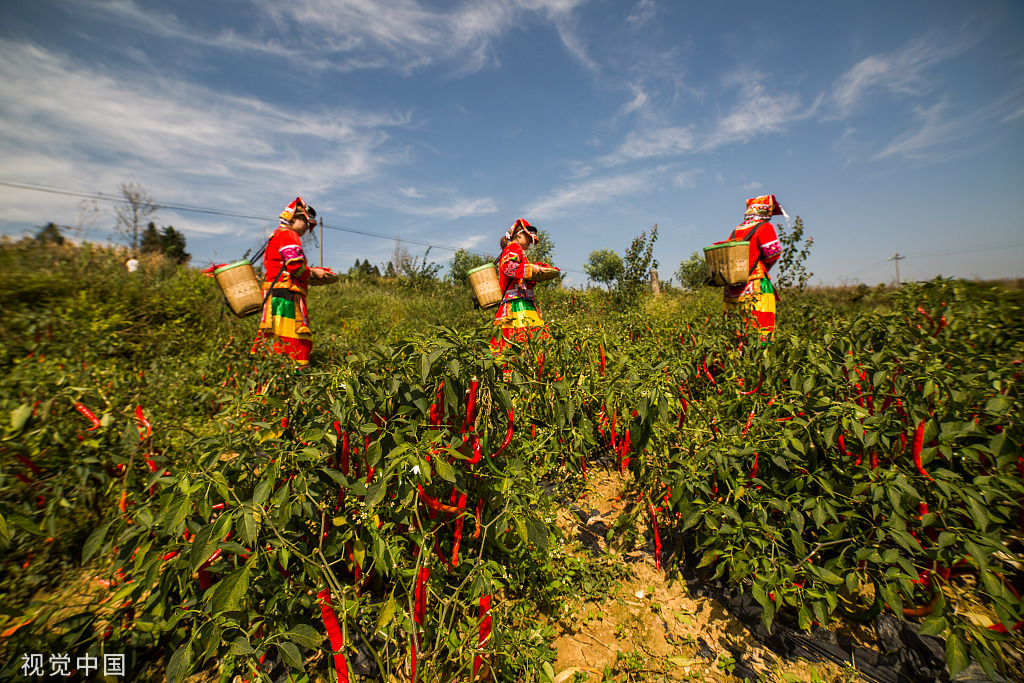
<point>519,320</point>
<point>756,302</point>
<point>285,324</point>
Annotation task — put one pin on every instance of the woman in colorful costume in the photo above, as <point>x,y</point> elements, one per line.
<point>756,297</point>
<point>517,315</point>
<point>285,320</point>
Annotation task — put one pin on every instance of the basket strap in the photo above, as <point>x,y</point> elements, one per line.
<point>750,238</point>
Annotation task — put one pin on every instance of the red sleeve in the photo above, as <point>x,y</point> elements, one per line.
<point>289,248</point>
<point>513,265</point>
<point>768,245</point>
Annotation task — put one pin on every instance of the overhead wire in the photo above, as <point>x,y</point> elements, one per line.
<point>99,196</point>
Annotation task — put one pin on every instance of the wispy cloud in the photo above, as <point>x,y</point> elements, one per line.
<point>595,191</point>
<point>643,12</point>
<point>902,72</point>
<point>759,110</point>
<point>651,143</point>
<point>457,208</point>
<point>410,192</point>
<point>68,125</point>
<point>410,34</point>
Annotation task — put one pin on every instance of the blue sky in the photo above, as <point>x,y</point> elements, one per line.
<point>886,126</point>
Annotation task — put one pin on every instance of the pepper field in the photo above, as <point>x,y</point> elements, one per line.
<point>390,513</point>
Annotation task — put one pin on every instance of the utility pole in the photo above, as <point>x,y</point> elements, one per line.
<point>322,243</point>
<point>897,258</point>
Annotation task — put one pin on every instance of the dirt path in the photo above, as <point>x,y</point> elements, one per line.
<point>648,628</point>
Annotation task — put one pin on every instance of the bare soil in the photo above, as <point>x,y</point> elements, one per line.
<point>650,628</point>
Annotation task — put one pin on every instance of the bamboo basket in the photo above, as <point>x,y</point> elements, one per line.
<point>241,288</point>
<point>484,280</point>
<point>728,262</point>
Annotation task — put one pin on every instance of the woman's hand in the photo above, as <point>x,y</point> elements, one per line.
<point>321,272</point>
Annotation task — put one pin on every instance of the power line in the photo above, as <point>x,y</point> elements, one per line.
<point>234,214</point>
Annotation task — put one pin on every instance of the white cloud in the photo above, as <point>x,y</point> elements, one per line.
<point>67,125</point>
<point>411,192</point>
<point>458,208</point>
<point>760,110</point>
<point>651,143</point>
<point>686,179</point>
<point>902,72</point>
<point>755,185</point>
<point>594,191</point>
<point>409,34</point>
<point>642,13</point>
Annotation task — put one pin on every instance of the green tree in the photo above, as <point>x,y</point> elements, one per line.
<point>463,261</point>
<point>50,234</point>
<point>149,243</point>
<point>167,241</point>
<point>791,269</point>
<point>636,266</point>
<point>692,273</point>
<point>604,266</point>
<point>172,245</point>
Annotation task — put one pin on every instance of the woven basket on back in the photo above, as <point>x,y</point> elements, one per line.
<point>241,288</point>
<point>484,280</point>
<point>728,262</point>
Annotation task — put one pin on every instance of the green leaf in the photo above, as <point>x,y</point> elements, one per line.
<point>5,532</point>
<point>262,491</point>
<point>180,663</point>
<point>19,416</point>
<point>227,595</point>
<point>547,674</point>
<point>241,646</point>
<point>387,613</point>
<point>933,626</point>
<point>249,525</point>
<point>829,576</point>
<point>957,658</point>
<point>203,546</point>
<point>291,655</point>
<point>375,492</point>
<point>305,635</point>
<point>93,543</point>
<point>537,532</point>
<point>444,469</point>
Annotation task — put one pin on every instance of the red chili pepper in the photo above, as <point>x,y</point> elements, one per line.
<point>842,447</point>
<point>471,405</point>
<point>707,374</point>
<point>624,461</point>
<point>925,314</point>
<point>755,389</point>
<point>419,611</point>
<point>335,633</point>
<point>753,468</point>
<point>88,415</point>
<point>479,518</point>
<point>508,436</point>
<point>540,368</point>
<point>27,462</point>
<point>485,631</point>
<point>657,537</point>
<point>458,530</point>
<point>434,504</point>
<point>918,445</point>
<point>602,360</point>
<point>144,423</point>
<point>874,460</point>
<point>474,441</point>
